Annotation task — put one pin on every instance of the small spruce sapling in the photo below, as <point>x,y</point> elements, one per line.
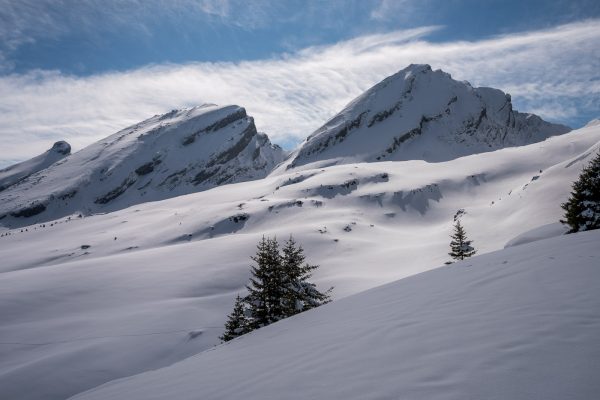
<point>460,246</point>
<point>237,323</point>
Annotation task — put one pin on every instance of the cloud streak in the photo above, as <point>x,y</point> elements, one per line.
<point>552,72</point>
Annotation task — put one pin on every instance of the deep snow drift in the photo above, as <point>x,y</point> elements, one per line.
<point>420,114</point>
<point>15,173</point>
<point>89,300</point>
<point>168,155</point>
<point>521,323</point>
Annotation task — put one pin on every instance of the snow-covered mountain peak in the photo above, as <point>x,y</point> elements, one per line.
<point>180,152</point>
<point>18,172</point>
<point>420,113</point>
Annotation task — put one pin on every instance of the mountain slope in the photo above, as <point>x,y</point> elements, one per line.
<point>16,173</point>
<point>157,280</point>
<point>165,156</point>
<point>422,114</point>
<point>520,323</point>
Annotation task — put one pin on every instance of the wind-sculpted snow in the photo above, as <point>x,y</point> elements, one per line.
<point>330,191</point>
<point>90,299</point>
<point>225,226</point>
<point>180,152</point>
<point>417,198</point>
<point>521,323</point>
<point>420,114</point>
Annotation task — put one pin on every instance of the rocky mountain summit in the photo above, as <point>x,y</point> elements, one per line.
<point>168,155</point>
<point>419,113</point>
<point>18,172</point>
<point>415,114</point>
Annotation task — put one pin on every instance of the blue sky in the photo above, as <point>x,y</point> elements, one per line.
<point>88,37</point>
<point>81,69</point>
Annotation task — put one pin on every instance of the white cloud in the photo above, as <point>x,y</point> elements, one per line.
<point>404,10</point>
<point>220,8</point>
<point>553,72</point>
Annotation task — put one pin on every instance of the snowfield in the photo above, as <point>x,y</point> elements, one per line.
<point>85,301</point>
<point>520,323</point>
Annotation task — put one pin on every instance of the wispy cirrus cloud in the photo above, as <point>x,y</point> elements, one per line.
<point>397,9</point>
<point>26,22</point>
<point>553,72</point>
<point>50,22</point>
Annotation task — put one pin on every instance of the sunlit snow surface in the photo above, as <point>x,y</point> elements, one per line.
<point>84,301</point>
<point>521,323</point>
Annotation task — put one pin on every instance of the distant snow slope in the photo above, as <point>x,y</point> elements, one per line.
<point>594,122</point>
<point>88,300</point>
<point>541,232</point>
<point>168,155</point>
<point>15,173</point>
<point>521,323</point>
<point>420,114</point>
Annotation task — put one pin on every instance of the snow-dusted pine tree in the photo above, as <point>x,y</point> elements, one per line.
<point>237,322</point>
<point>460,246</point>
<point>279,288</point>
<point>301,294</point>
<point>267,285</point>
<point>582,210</point>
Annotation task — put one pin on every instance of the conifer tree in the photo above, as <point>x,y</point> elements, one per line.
<point>301,294</point>
<point>267,285</point>
<point>460,246</point>
<point>237,323</point>
<point>582,210</point>
<point>279,288</point>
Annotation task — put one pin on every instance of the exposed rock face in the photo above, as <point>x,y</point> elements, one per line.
<point>61,147</point>
<point>167,155</point>
<point>422,114</point>
<point>18,172</point>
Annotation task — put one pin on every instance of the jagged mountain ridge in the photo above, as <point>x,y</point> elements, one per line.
<point>15,173</point>
<point>167,155</point>
<point>416,113</point>
<point>419,113</point>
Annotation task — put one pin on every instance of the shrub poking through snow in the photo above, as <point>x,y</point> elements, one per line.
<point>279,288</point>
<point>582,210</point>
<point>460,246</point>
